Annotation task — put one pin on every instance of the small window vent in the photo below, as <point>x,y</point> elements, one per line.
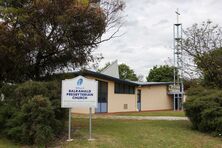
<point>125,106</point>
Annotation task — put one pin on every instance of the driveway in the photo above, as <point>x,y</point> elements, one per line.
<point>134,117</point>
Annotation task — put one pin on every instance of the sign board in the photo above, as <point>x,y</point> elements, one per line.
<point>174,88</point>
<point>79,92</point>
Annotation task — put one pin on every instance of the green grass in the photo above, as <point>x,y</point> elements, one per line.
<point>155,113</point>
<point>135,134</point>
<point>4,143</point>
<point>130,134</point>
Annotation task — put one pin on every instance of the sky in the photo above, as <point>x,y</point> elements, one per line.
<point>147,30</point>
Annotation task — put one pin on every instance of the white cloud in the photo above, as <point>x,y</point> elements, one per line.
<point>148,38</point>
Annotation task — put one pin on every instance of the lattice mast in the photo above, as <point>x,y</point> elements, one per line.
<point>178,60</point>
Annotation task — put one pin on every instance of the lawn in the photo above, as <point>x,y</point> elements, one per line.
<point>131,133</point>
<point>155,113</point>
<point>4,143</point>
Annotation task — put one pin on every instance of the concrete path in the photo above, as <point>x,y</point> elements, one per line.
<point>135,117</point>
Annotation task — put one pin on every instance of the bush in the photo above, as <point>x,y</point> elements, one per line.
<point>204,109</point>
<point>31,112</point>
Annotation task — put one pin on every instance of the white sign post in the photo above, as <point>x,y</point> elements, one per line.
<point>90,125</point>
<point>69,130</point>
<point>79,92</point>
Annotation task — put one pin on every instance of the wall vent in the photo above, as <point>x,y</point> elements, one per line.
<point>125,106</point>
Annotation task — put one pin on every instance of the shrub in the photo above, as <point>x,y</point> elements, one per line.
<point>204,109</point>
<point>40,116</point>
<point>31,112</point>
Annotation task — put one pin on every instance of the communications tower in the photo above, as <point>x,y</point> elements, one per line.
<point>178,92</point>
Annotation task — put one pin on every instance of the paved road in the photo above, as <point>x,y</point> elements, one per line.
<point>136,117</point>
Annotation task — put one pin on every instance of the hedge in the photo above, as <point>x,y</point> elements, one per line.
<point>204,109</point>
<point>31,112</point>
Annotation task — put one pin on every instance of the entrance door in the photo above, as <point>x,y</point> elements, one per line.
<point>102,97</point>
<point>178,101</point>
<point>139,100</point>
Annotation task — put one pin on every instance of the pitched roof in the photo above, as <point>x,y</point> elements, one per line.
<point>102,76</point>
<point>107,77</point>
<point>152,83</point>
<point>112,70</point>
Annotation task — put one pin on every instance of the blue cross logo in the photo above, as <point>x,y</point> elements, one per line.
<point>79,82</point>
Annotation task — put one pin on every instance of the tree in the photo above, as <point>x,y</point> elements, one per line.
<point>126,73</point>
<point>40,37</point>
<point>31,112</point>
<point>203,38</point>
<point>163,73</point>
<point>199,40</point>
<point>188,83</point>
<point>203,45</point>
<point>203,108</point>
<point>140,78</point>
<point>211,66</point>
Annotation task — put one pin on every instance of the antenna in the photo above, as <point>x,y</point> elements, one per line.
<point>178,64</point>
<point>178,14</point>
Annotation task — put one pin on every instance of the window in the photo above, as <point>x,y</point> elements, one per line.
<point>102,91</point>
<point>124,89</point>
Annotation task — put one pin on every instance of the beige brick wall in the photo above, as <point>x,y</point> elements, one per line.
<point>82,110</point>
<point>155,98</point>
<point>152,98</point>
<point>116,101</point>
